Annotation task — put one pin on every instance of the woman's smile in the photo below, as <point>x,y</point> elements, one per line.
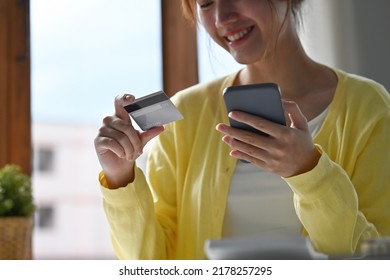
<point>238,36</point>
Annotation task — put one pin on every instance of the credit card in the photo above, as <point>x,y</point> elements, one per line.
<point>153,110</point>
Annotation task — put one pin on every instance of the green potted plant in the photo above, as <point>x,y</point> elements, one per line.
<point>16,213</point>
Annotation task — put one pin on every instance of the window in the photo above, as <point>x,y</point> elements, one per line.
<point>45,158</point>
<point>83,54</point>
<point>45,215</point>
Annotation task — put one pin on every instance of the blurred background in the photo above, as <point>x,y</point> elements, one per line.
<point>85,52</point>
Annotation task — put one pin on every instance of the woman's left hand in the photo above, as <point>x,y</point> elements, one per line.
<point>287,151</point>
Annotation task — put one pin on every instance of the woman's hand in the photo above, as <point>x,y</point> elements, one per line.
<point>118,144</point>
<point>287,151</point>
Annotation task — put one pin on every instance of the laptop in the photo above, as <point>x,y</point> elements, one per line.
<point>261,248</point>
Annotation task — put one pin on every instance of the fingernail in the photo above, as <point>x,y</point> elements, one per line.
<point>232,115</point>
<point>128,97</point>
<point>226,139</point>
<point>220,127</point>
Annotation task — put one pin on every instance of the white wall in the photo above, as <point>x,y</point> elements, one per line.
<point>80,229</point>
<point>352,35</point>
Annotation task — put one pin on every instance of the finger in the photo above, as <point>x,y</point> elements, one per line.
<point>286,115</point>
<point>243,156</point>
<point>298,120</point>
<point>259,123</point>
<point>116,137</point>
<point>118,128</point>
<point>133,141</point>
<point>105,144</point>
<point>120,102</point>
<point>252,153</point>
<point>249,149</point>
<point>150,134</point>
<point>244,136</point>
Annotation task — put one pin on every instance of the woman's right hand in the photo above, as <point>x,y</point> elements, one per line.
<point>118,144</point>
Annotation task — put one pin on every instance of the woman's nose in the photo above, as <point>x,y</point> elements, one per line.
<point>225,13</point>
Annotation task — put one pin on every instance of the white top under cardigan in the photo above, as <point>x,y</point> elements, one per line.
<point>261,203</point>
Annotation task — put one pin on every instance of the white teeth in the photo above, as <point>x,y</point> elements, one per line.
<point>238,35</point>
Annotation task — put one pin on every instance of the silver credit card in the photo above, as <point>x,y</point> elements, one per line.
<point>153,110</point>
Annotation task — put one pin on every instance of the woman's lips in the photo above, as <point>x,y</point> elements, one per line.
<point>238,35</point>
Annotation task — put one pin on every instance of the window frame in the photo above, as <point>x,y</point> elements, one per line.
<point>15,112</point>
<point>180,70</point>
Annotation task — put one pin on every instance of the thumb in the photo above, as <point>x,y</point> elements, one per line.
<point>120,101</point>
<point>298,120</point>
<point>150,134</point>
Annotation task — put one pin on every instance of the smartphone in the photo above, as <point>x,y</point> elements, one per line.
<point>262,100</point>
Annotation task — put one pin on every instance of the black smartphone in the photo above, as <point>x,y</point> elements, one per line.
<point>262,100</point>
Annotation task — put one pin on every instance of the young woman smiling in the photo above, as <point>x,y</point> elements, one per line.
<point>323,176</point>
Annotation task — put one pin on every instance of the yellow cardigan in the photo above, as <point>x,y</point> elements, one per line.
<point>344,200</point>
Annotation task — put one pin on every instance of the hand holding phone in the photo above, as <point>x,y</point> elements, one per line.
<point>298,155</point>
<point>262,100</point>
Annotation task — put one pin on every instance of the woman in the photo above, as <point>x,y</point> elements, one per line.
<point>323,175</point>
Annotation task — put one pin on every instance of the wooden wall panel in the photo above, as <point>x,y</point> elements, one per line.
<point>15,112</point>
<point>3,83</point>
<point>180,62</point>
